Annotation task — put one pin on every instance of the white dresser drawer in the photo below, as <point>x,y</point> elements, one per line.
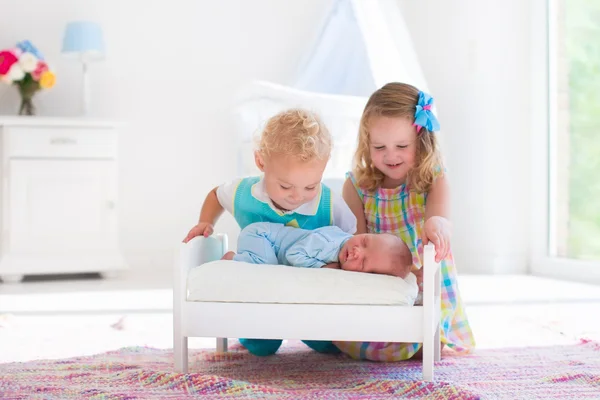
<point>60,142</point>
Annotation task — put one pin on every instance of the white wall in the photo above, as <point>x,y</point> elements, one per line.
<point>171,70</point>
<point>173,67</point>
<point>476,57</point>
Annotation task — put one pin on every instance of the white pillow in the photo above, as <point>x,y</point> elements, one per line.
<point>240,282</point>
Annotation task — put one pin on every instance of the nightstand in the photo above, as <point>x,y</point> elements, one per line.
<point>59,197</point>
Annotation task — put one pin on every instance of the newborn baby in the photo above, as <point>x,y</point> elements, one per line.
<point>329,247</point>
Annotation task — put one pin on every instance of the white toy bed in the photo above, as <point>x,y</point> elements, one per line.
<point>226,299</point>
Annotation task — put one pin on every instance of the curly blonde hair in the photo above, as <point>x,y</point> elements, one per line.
<point>298,133</point>
<point>396,100</point>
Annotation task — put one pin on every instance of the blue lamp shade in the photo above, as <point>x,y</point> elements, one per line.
<point>83,39</point>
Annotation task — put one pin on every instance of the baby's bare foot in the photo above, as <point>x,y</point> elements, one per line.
<point>228,256</point>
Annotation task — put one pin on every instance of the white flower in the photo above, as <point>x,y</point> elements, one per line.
<point>16,73</point>
<point>28,62</point>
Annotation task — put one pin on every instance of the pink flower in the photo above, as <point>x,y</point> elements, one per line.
<point>39,70</point>
<point>7,59</point>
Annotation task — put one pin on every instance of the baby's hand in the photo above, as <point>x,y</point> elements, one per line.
<point>437,231</point>
<point>202,229</point>
<point>419,275</point>
<point>332,266</point>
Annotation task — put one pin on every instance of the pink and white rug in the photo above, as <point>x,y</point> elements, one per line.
<point>558,372</point>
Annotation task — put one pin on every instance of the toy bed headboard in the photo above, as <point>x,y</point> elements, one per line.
<point>259,101</point>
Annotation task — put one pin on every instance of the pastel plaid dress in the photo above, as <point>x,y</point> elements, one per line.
<point>401,212</point>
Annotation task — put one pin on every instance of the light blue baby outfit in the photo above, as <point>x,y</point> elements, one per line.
<point>270,243</point>
<point>247,210</point>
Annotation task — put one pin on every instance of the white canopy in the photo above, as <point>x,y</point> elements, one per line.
<point>362,45</point>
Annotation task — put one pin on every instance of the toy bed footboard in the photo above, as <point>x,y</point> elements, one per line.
<point>301,321</point>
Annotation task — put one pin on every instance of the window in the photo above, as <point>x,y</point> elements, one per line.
<point>565,207</point>
<point>575,130</point>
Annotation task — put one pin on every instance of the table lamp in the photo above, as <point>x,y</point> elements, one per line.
<point>83,40</point>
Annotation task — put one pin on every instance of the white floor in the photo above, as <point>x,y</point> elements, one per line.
<point>65,318</point>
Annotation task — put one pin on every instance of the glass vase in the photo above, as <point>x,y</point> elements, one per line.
<point>27,107</point>
<point>27,89</point>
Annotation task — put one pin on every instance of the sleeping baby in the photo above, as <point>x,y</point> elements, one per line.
<point>328,247</point>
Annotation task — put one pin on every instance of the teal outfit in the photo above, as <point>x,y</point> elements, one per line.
<point>270,243</point>
<point>247,210</point>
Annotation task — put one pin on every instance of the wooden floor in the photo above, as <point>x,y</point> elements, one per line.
<point>71,317</point>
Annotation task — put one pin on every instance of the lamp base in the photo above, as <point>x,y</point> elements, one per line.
<point>85,88</point>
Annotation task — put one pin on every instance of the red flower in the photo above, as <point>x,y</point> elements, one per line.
<point>7,59</point>
<point>39,70</point>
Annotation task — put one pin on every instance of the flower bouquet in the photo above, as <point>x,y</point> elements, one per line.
<point>24,67</point>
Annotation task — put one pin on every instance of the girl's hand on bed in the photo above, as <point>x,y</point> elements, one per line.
<point>437,231</point>
<point>202,229</point>
<point>332,266</point>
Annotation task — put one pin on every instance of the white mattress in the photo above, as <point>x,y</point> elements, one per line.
<point>235,282</point>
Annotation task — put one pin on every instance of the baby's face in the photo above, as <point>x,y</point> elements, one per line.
<point>290,182</point>
<point>376,253</point>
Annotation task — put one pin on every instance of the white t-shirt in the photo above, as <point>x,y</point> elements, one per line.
<point>343,217</point>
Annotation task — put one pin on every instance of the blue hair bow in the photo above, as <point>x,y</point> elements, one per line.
<point>424,117</point>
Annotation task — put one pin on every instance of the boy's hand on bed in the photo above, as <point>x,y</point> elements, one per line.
<point>437,231</point>
<point>202,229</point>
<point>334,265</point>
<point>228,256</point>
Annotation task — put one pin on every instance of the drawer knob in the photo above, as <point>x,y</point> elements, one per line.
<point>62,140</point>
